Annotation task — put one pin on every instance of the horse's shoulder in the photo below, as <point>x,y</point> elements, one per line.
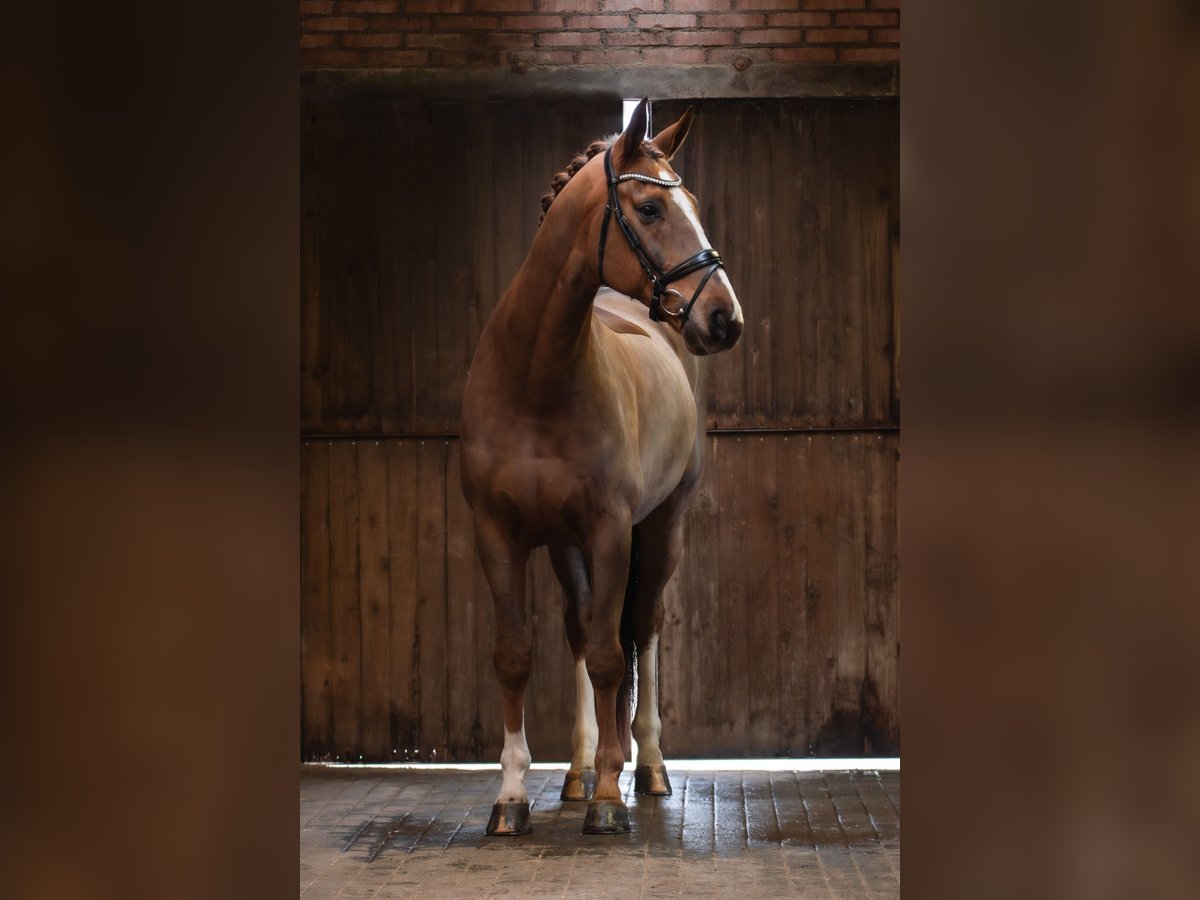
<point>621,315</point>
<point>616,322</point>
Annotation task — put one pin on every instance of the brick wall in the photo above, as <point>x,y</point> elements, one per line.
<point>523,33</point>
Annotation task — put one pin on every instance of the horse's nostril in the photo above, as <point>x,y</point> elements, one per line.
<point>734,331</point>
<point>716,324</point>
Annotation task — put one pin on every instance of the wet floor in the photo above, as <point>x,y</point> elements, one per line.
<point>414,833</point>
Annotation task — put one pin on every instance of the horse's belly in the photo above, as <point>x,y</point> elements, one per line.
<point>659,482</point>
<point>666,436</point>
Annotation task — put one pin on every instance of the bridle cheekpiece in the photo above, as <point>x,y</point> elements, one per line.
<point>658,278</point>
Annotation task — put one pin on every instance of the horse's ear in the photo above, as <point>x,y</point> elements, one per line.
<point>638,131</point>
<point>671,138</point>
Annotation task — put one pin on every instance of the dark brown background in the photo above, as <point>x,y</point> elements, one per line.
<point>1038,137</point>
<point>782,626</point>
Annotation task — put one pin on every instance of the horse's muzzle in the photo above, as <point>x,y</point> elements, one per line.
<point>713,332</point>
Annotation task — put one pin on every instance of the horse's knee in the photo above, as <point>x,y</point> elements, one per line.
<point>512,661</point>
<point>605,664</point>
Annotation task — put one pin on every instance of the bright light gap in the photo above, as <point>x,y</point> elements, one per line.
<point>880,764</point>
<point>627,108</point>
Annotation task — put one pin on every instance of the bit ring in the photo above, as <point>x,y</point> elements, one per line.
<point>663,307</point>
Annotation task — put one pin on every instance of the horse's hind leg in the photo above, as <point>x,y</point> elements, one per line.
<point>504,566</point>
<point>661,538</point>
<point>571,569</point>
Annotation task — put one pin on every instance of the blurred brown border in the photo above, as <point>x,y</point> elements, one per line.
<point>1051,214</point>
<point>150,222</point>
<point>1049,478</point>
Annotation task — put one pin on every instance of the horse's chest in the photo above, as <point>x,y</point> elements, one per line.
<point>543,494</point>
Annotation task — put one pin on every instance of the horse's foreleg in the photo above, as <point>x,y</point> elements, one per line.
<point>504,566</point>
<point>662,548</point>
<point>609,559</point>
<point>571,569</point>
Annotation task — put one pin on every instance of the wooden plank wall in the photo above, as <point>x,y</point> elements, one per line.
<point>415,217</point>
<point>801,198</point>
<point>782,625</point>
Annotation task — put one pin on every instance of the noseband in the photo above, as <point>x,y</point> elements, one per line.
<point>659,279</point>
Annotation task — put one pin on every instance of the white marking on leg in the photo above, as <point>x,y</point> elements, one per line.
<point>647,726</point>
<point>514,760</point>
<point>586,735</point>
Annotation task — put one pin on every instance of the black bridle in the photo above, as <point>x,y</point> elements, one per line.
<point>658,278</point>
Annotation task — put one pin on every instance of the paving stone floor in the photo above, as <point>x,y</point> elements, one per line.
<point>420,833</point>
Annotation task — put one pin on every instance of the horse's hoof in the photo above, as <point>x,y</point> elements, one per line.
<point>579,785</point>
<point>509,819</point>
<point>606,817</point>
<point>652,780</point>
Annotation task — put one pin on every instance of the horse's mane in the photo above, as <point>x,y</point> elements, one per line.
<point>559,181</point>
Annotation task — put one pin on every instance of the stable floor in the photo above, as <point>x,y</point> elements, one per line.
<point>420,833</point>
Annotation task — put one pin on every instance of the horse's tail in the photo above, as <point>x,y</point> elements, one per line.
<point>625,693</point>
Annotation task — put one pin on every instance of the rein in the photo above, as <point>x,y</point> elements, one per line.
<point>658,278</point>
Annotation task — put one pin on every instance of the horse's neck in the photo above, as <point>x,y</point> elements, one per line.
<point>544,318</point>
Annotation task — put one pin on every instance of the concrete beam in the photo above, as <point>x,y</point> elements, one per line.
<point>657,82</point>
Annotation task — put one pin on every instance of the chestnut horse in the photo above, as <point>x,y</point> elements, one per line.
<point>580,427</point>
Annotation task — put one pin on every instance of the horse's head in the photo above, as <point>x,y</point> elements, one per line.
<point>652,246</point>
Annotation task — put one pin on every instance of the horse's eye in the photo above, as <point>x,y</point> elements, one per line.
<point>648,211</point>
